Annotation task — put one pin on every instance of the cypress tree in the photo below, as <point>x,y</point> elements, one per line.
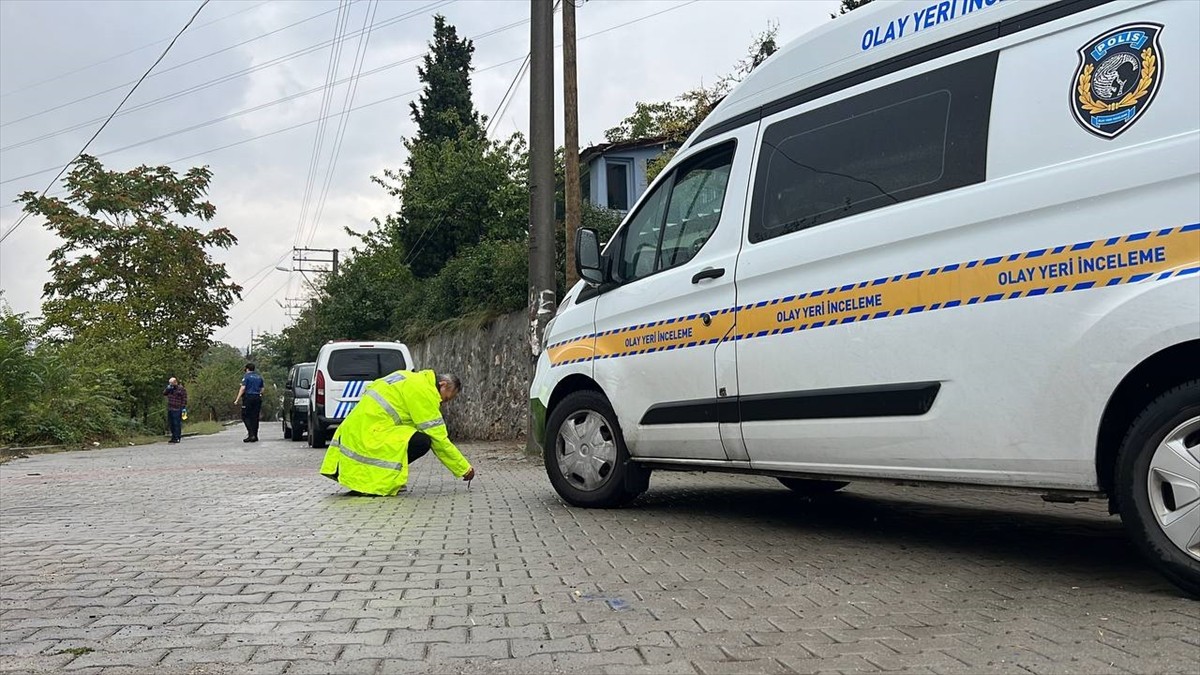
<point>444,110</point>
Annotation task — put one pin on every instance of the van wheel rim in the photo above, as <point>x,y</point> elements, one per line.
<point>1174,486</point>
<point>587,451</point>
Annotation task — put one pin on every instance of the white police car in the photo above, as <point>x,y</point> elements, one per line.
<point>950,242</point>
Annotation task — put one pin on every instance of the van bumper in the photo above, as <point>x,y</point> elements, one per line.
<point>537,418</point>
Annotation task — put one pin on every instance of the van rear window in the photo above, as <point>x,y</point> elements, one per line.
<point>364,364</point>
<point>910,139</point>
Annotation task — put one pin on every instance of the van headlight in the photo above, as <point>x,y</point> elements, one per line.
<point>546,332</point>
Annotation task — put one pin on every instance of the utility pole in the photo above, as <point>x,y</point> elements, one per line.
<point>571,138</point>
<point>541,174</point>
<point>303,258</point>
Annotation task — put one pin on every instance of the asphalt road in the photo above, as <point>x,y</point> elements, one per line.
<point>214,556</point>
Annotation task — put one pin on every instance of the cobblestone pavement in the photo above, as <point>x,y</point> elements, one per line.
<point>214,556</point>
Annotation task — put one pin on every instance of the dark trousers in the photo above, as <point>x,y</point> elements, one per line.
<point>418,445</point>
<point>175,422</point>
<point>251,407</point>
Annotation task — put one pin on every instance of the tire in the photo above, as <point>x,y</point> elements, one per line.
<point>585,454</point>
<point>297,428</point>
<point>316,436</point>
<point>287,431</point>
<point>812,488</point>
<point>1158,484</point>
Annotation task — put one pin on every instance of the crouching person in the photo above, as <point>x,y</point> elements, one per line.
<point>395,423</point>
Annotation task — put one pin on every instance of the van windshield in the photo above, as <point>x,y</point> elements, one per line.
<point>364,364</point>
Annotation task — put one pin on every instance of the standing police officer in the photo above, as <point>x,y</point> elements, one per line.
<point>251,392</point>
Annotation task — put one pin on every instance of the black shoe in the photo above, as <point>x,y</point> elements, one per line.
<point>173,440</point>
<point>254,440</point>
<point>247,440</point>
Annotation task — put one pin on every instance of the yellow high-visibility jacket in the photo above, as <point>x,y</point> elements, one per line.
<point>369,452</point>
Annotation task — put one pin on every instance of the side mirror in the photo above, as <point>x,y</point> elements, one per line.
<point>587,256</point>
<point>304,384</point>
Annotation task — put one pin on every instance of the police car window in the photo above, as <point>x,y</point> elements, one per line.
<point>639,245</point>
<point>695,208</point>
<point>677,218</point>
<point>364,364</point>
<point>907,140</point>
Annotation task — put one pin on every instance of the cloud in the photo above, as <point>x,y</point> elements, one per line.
<point>259,186</point>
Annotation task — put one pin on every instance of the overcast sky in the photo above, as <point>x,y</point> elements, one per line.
<point>66,64</point>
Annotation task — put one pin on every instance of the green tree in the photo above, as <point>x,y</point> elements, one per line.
<point>454,194</point>
<point>47,398</point>
<point>457,187</point>
<point>445,111</point>
<point>848,6</point>
<point>130,288</point>
<point>211,392</point>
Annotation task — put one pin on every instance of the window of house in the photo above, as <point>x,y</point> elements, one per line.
<point>918,137</point>
<point>617,175</point>
<point>676,219</point>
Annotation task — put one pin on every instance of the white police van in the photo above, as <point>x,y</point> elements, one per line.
<point>343,371</point>
<point>951,242</point>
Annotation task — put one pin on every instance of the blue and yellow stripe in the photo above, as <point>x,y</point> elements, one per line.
<point>1154,255</point>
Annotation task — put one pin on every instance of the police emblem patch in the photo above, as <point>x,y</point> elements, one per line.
<point>1118,76</point>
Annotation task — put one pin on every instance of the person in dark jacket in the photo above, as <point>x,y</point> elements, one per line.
<point>176,402</point>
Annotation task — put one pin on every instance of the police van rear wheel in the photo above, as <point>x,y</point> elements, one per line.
<point>1158,484</point>
<point>316,436</point>
<point>585,454</point>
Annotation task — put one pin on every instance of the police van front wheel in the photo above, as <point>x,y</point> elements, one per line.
<point>1158,484</point>
<point>585,454</point>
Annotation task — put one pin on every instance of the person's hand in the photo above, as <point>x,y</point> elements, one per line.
<point>469,475</point>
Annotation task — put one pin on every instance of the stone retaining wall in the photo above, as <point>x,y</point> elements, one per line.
<point>496,367</point>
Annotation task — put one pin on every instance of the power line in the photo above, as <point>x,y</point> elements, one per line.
<point>314,163</point>
<point>503,105</point>
<point>343,123</point>
<point>233,76</point>
<point>504,99</point>
<point>162,72</point>
<point>246,71</point>
<point>355,108</point>
<point>418,245</point>
<point>256,308</point>
<point>110,117</point>
<point>265,274</point>
<point>101,62</point>
<point>263,106</point>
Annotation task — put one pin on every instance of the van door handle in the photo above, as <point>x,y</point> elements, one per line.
<point>708,273</point>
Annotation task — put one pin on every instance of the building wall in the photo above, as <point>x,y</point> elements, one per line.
<point>496,368</point>
<point>598,174</point>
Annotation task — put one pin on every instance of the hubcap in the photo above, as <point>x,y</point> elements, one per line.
<point>586,450</point>
<point>1174,486</point>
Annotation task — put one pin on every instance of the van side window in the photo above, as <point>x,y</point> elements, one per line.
<point>639,244</point>
<point>695,208</point>
<point>675,221</point>
<point>914,138</point>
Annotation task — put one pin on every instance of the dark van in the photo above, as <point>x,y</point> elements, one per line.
<point>295,400</point>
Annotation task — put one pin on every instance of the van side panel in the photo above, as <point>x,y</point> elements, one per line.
<point>1025,357</point>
